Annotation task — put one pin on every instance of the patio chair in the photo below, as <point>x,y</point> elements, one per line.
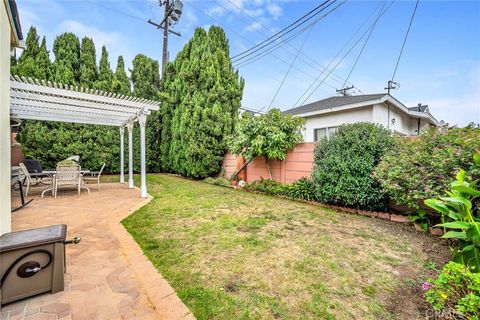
<point>35,169</point>
<point>94,176</point>
<point>68,174</point>
<point>25,175</point>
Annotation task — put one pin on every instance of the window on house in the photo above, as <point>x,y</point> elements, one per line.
<point>327,132</point>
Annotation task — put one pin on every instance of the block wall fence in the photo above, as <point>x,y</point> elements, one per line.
<point>297,164</point>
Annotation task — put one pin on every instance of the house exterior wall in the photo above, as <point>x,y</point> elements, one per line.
<point>5,224</point>
<point>334,119</point>
<point>381,113</point>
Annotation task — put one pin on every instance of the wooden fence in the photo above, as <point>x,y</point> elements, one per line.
<point>298,164</point>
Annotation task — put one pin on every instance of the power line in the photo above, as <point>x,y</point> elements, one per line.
<point>263,54</point>
<point>338,63</point>
<point>405,39</point>
<point>300,21</point>
<point>116,10</point>
<point>302,54</point>
<point>288,71</point>
<point>296,56</point>
<point>243,37</point>
<point>364,44</point>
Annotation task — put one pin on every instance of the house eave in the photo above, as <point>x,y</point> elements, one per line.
<point>385,99</point>
<point>14,21</point>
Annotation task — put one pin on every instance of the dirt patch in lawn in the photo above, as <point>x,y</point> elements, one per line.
<point>237,255</point>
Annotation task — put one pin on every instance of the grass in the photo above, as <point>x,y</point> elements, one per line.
<point>236,255</point>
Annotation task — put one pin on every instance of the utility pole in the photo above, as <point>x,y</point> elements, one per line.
<point>165,35</point>
<point>172,13</point>
<point>344,91</point>
<point>392,85</point>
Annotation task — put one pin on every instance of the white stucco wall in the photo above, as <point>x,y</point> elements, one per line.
<point>334,119</point>
<point>381,113</point>
<point>5,224</point>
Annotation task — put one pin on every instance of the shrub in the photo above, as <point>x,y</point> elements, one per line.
<point>268,186</point>
<point>303,189</point>
<point>456,288</point>
<point>422,168</point>
<point>461,214</point>
<point>344,164</point>
<point>221,181</point>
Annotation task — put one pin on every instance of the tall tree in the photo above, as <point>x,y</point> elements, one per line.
<point>43,64</point>
<point>26,65</point>
<point>202,93</point>
<point>145,76</point>
<point>66,67</point>
<point>105,74</point>
<point>88,63</point>
<point>121,83</point>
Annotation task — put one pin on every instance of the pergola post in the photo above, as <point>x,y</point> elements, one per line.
<point>122,154</point>
<point>142,119</point>
<point>130,154</point>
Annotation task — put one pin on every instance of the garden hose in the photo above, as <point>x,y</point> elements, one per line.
<point>29,270</point>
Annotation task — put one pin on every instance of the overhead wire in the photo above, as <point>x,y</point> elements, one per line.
<point>248,40</point>
<point>296,24</point>
<point>361,51</point>
<point>296,56</point>
<point>338,54</point>
<point>263,54</point>
<point>303,56</point>
<point>405,39</point>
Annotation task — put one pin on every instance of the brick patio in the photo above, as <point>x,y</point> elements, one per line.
<point>108,277</point>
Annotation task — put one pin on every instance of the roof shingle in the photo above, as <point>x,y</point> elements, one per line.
<point>334,102</point>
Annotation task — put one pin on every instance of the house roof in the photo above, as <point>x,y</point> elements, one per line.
<point>347,102</point>
<point>334,102</point>
<point>16,28</point>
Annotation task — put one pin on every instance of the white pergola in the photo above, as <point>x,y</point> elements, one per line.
<point>33,99</point>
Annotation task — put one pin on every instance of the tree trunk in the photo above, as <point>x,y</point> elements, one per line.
<point>269,169</point>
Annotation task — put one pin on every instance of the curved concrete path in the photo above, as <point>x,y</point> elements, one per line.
<point>108,277</point>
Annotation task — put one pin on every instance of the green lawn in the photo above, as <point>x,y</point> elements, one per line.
<point>230,254</point>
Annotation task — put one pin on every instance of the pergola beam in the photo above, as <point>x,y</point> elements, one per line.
<point>32,99</point>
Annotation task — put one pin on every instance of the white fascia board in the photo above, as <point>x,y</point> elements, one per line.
<point>339,108</point>
<point>415,114</point>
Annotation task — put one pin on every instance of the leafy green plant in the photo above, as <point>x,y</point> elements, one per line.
<point>422,167</point>
<point>269,135</point>
<point>461,217</point>
<point>303,189</point>
<point>420,217</point>
<point>268,186</point>
<point>344,164</point>
<point>221,181</point>
<point>456,288</point>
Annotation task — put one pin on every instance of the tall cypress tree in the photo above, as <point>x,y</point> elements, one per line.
<point>26,65</point>
<point>88,63</point>
<point>202,93</point>
<point>121,83</point>
<point>105,74</point>
<point>145,76</point>
<point>66,67</point>
<point>43,64</point>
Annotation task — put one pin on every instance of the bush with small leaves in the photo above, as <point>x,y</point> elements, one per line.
<point>456,290</point>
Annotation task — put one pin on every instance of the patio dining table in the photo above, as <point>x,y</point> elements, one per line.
<point>52,172</point>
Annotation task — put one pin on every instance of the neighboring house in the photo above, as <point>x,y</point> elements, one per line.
<point>10,37</point>
<point>323,117</point>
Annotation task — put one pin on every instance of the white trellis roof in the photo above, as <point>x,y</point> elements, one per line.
<point>41,100</point>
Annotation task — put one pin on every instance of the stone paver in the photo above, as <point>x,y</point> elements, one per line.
<point>108,277</point>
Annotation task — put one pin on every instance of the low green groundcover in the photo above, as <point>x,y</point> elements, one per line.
<point>242,255</point>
